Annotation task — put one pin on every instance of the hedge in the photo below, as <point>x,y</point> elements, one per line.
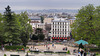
<point>13,47</point>
<point>94,49</point>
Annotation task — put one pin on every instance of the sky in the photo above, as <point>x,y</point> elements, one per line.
<point>46,4</point>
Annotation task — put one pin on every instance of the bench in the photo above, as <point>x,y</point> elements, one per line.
<point>14,55</point>
<point>36,52</point>
<point>21,51</point>
<point>61,52</point>
<point>48,52</point>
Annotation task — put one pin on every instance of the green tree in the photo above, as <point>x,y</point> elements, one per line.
<point>42,19</point>
<point>34,37</point>
<point>25,28</point>
<point>38,31</point>
<point>11,27</point>
<point>41,36</point>
<point>1,29</point>
<point>87,24</point>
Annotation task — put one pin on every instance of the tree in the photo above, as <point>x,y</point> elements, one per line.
<point>34,37</point>
<point>41,36</point>
<point>87,24</point>
<point>11,27</point>
<point>38,34</point>
<point>26,28</point>
<point>42,19</point>
<point>38,31</point>
<point>1,29</point>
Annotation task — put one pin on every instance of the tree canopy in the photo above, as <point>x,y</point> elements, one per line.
<point>14,28</point>
<point>86,25</point>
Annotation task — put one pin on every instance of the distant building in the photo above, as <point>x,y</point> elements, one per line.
<point>34,21</point>
<point>40,25</point>
<point>48,20</point>
<point>60,29</point>
<point>72,20</point>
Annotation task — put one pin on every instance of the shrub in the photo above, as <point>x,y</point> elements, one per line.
<point>94,49</point>
<point>5,55</point>
<point>13,47</point>
<point>97,53</point>
<point>68,52</point>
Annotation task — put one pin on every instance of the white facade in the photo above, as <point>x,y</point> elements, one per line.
<point>60,27</point>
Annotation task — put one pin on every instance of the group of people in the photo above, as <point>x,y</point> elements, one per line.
<point>32,48</point>
<point>48,46</point>
<point>81,52</point>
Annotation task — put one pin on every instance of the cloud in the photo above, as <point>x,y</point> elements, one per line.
<point>46,4</point>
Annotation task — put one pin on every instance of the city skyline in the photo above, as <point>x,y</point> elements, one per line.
<point>46,4</point>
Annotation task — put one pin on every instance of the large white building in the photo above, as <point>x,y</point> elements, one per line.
<point>60,29</point>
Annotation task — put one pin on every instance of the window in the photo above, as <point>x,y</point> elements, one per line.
<point>53,29</point>
<point>63,29</point>
<point>53,22</point>
<point>53,32</point>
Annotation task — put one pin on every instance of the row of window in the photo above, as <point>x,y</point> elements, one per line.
<point>60,23</point>
<point>60,26</point>
<point>60,29</point>
<point>60,36</point>
<point>60,33</point>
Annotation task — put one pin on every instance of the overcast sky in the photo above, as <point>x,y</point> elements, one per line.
<point>46,4</point>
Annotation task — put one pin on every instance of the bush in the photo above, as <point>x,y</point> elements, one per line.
<point>97,53</point>
<point>13,47</point>
<point>94,49</point>
<point>5,55</point>
<point>68,52</point>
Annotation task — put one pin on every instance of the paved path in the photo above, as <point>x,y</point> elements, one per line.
<point>23,54</point>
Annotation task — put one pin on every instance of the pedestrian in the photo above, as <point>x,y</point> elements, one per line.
<point>52,45</point>
<point>88,51</point>
<point>81,52</point>
<point>2,48</point>
<point>85,54</point>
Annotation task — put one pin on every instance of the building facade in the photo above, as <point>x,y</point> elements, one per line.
<point>60,29</point>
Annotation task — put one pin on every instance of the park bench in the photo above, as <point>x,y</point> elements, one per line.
<point>47,52</point>
<point>60,52</point>
<point>21,51</point>
<point>34,51</point>
<point>14,55</point>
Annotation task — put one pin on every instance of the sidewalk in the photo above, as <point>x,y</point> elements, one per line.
<point>8,53</point>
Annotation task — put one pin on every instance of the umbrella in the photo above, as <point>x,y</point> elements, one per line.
<point>81,41</point>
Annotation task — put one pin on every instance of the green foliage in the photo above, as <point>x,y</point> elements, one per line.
<point>13,47</point>
<point>87,25</point>
<point>94,49</point>
<point>1,29</point>
<point>42,19</point>
<point>38,34</point>
<point>25,28</point>
<point>11,27</point>
<point>38,31</point>
<point>68,52</point>
<point>5,55</point>
<point>41,36</point>
<point>34,37</point>
<point>14,28</point>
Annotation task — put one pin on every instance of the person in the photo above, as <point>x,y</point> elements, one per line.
<point>22,48</point>
<point>52,45</point>
<point>81,52</point>
<point>85,54</point>
<point>88,51</point>
<point>37,49</point>
<point>2,48</point>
